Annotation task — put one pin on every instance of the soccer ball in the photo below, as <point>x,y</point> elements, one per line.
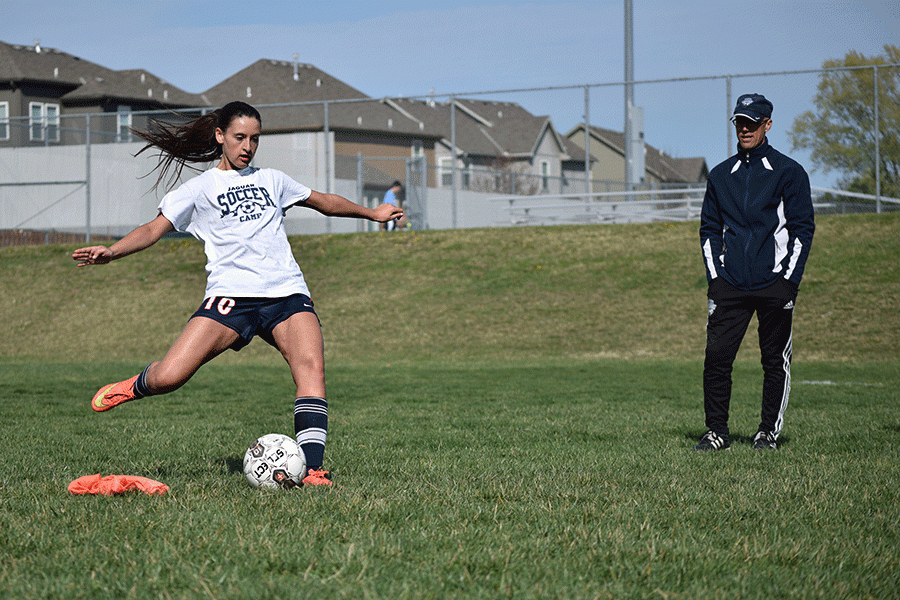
<point>274,461</point>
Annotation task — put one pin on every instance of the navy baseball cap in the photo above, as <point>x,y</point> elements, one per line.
<point>753,107</point>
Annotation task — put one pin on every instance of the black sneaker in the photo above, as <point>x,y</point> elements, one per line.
<point>764,440</point>
<point>713,441</point>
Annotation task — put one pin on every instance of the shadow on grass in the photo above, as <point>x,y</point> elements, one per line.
<point>695,435</point>
<point>235,464</point>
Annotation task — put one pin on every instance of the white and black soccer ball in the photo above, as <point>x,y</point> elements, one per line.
<point>274,461</point>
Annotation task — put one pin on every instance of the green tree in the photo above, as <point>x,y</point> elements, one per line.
<point>840,133</point>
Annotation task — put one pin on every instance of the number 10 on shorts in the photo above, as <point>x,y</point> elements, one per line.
<point>224,306</point>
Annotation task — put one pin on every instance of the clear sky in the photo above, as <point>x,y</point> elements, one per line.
<point>410,47</point>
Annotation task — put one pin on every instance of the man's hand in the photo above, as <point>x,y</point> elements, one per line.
<point>785,290</point>
<point>716,287</point>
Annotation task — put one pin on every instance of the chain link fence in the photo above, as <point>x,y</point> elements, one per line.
<point>77,174</point>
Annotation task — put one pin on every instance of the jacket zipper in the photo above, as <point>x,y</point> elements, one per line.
<point>747,268</point>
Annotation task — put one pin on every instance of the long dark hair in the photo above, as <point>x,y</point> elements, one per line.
<point>191,142</point>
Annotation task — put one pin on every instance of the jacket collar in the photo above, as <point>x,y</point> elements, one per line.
<point>755,153</point>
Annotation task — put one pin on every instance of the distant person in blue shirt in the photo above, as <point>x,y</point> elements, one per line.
<point>392,197</point>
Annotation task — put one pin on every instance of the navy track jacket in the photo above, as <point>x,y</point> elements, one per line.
<point>757,222</point>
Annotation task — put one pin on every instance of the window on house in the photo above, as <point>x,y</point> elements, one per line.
<point>417,149</point>
<point>446,171</point>
<point>4,120</point>
<point>52,118</point>
<point>123,124</point>
<point>43,122</point>
<point>545,175</point>
<point>36,121</point>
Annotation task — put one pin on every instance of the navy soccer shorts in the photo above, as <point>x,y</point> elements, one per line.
<point>253,316</point>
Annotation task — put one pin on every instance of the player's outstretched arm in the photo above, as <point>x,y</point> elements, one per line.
<point>333,205</point>
<point>138,239</point>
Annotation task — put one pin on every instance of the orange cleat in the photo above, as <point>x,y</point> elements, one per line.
<point>317,477</point>
<point>114,394</point>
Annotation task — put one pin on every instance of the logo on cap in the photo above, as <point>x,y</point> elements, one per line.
<point>753,107</point>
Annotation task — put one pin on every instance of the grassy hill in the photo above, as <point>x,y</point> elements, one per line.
<point>511,416</point>
<point>522,294</point>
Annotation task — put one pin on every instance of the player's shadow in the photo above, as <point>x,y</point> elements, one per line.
<point>736,439</point>
<point>235,464</point>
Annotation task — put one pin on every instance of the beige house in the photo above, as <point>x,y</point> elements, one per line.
<point>500,146</point>
<point>607,150</point>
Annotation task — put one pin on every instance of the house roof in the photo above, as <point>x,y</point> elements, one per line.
<point>38,64</point>
<point>277,82</point>
<point>574,152</point>
<point>486,128</point>
<point>132,85</point>
<point>694,169</point>
<point>81,80</point>
<point>435,116</point>
<point>667,168</point>
<point>512,127</point>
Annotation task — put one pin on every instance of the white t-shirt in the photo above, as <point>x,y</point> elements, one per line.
<point>239,217</point>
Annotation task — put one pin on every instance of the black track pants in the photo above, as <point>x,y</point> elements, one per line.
<point>729,316</point>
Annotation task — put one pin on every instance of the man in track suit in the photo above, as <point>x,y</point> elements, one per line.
<point>756,229</point>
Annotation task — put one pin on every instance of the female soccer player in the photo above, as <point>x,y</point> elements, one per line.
<point>254,285</point>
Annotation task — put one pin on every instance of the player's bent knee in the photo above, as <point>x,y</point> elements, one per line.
<point>312,364</point>
<point>163,381</point>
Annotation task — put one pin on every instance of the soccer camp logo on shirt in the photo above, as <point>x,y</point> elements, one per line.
<point>247,202</point>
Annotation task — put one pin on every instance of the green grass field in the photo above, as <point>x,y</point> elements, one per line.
<point>512,413</point>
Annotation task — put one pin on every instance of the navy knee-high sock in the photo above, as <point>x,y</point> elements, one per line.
<point>311,427</point>
<point>141,390</point>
